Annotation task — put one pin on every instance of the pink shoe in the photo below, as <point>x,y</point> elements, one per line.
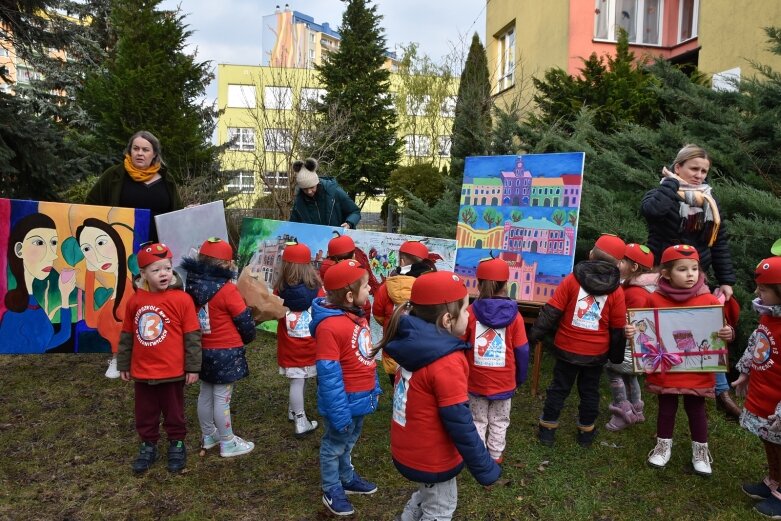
<point>616,423</point>
<point>637,407</point>
<point>623,416</point>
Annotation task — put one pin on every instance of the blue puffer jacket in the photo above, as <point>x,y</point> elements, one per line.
<point>333,402</point>
<point>417,344</point>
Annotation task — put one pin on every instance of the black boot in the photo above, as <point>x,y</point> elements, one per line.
<point>586,435</point>
<point>147,455</point>
<point>177,456</point>
<point>547,433</point>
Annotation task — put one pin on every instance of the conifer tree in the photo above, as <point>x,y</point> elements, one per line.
<point>357,90</point>
<point>472,124</point>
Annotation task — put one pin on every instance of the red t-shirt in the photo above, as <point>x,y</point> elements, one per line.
<point>158,322</point>
<point>418,436</point>
<point>586,319</point>
<point>764,383</point>
<point>636,297</point>
<point>703,382</point>
<point>491,359</point>
<point>216,318</point>
<point>348,340</point>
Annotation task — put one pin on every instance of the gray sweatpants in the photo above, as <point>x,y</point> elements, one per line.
<point>432,502</point>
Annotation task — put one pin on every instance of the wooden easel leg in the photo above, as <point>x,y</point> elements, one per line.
<point>536,367</point>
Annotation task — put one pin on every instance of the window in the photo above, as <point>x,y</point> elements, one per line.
<point>277,140</point>
<point>241,96</point>
<point>641,19</point>
<point>25,74</point>
<point>505,60</point>
<point>443,145</point>
<point>274,180</point>
<point>448,109</point>
<point>244,182</point>
<point>418,145</point>
<point>278,98</point>
<point>688,18</point>
<point>417,105</point>
<point>242,138</point>
<point>310,98</point>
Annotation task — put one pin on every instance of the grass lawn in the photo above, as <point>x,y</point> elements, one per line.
<point>67,440</point>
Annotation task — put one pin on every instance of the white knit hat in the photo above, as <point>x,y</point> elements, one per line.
<point>306,173</point>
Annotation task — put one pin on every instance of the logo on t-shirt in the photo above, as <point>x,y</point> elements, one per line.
<point>151,322</point>
<point>297,323</point>
<point>400,398</point>
<point>588,310</point>
<point>489,346</point>
<point>365,343</point>
<point>203,318</point>
<point>764,348</point>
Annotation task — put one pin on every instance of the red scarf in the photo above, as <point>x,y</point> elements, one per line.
<point>680,294</point>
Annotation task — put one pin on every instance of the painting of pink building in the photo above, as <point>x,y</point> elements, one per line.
<point>538,236</point>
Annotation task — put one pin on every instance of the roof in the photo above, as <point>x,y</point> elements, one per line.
<point>487,181</point>
<point>547,181</point>
<point>538,224</point>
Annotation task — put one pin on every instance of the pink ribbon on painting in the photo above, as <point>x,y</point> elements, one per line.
<point>660,358</point>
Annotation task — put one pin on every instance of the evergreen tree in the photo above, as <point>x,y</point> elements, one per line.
<point>149,83</point>
<point>472,125</point>
<point>357,90</point>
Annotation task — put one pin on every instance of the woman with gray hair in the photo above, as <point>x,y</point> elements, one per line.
<point>141,181</point>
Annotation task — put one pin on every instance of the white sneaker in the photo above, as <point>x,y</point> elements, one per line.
<point>235,447</point>
<point>660,454</point>
<point>701,459</point>
<point>303,426</point>
<point>112,372</point>
<point>209,441</point>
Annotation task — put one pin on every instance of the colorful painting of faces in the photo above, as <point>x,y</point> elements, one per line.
<point>66,273</point>
<point>523,209</point>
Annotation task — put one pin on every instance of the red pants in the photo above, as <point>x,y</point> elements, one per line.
<point>151,400</point>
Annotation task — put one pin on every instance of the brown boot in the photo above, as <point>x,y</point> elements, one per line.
<point>725,402</point>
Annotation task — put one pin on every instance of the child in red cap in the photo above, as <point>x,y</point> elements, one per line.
<point>638,282</point>
<point>342,248</point>
<point>159,348</point>
<point>298,285</point>
<point>760,375</point>
<point>226,326</point>
<point>413,262</point>
<point>682,284</point>
<point>589,313</point>
<point>432,431</point>
<point>499,358</point>
<point>347,385</point>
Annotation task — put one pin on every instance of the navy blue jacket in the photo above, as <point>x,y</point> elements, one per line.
<point>417,344</point>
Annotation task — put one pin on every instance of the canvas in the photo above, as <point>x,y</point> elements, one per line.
<point>678,340</point>
<point>523,209</point>
<point>66,272</point>
<point>183,231</point>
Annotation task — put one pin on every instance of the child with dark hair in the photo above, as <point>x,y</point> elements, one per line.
<point>227,325</point>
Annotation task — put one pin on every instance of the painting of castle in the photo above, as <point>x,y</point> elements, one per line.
<point>525,210</point>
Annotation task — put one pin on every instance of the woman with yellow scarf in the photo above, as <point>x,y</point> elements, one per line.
<point>141,181</point>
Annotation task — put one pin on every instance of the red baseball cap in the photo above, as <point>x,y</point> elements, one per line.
<point>341,245</point>
<point>612,245</point>
<point>154,252</point>
<point>641,254</point>
<point>768,271</point>
<point>493,269</point>
<point>342,274</point>
<point>414,248</point>
<point>296,253</point>
<point>680,251</point>
<point>217,248</point>
<point>437,287</point>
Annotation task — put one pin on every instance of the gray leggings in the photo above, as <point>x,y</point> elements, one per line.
<point>214,409</point>
<point>432,502</point>
<point>623,384</point>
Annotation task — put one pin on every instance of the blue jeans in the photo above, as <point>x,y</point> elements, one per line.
<point>335,447</point>
<point>721,383</point>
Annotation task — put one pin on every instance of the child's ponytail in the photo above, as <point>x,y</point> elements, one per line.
<point>392,327</point>
<point>490,288</point>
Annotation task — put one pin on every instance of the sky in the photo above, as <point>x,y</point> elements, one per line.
<point>228,31</point>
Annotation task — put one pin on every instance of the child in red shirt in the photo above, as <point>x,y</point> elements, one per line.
<point>347,385</point>
<point>760,373</point>
<point>159,348</point>
<point>297,285</point>
<point>682,284</point>
<point>343,248</point>
<point>499,358</point>
<point>638,282</point>
<point>589,313</point>
<point>226,326</point>
<point>432,431</point>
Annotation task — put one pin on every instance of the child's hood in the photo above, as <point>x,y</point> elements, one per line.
<point>762,309</point>
<point>399,288</point>
<point>495,312</point>
<point>204,280</point>
<point>320,311</point>
<point>419,343</point>
<point>597,277</point>
<point>647,281</point>
<point>298,297</point>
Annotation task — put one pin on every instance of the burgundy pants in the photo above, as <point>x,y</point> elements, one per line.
<point>695,410</point>
<point>773,452</point>
<point>151,401</point>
